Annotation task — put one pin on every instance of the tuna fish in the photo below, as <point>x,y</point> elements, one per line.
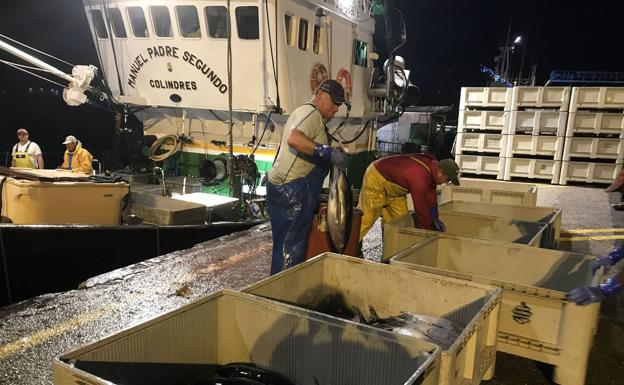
<point>339,210</point>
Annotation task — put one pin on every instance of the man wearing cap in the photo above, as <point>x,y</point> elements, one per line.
<point>76,158</point>
<point>297,175</point>
<point>387,181</point>
<point>26,154</point>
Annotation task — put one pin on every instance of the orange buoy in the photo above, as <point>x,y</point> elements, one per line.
<point>318,75</point>
<point>344,78</point>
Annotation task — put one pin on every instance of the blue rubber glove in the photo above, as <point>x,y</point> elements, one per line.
<point>333,155</point>
<point>437,223</point>
<point>588,295</point>
<point>608,260</point>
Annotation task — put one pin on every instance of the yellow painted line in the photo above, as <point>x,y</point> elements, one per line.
<point>591,231</point>
<point>592,238</point>
<point>41,336</point>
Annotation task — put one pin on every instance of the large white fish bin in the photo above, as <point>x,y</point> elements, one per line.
<point>28,202</point>
<point>535,321</point>
<point>483,190</point>
<point>400,234</point>
<point>228,327</point>
<point>334,284</point>
<point>549,216</point>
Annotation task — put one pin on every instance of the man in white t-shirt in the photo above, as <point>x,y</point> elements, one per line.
<point>26,154</point>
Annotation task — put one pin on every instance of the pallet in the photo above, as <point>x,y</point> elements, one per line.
<point>482,121</point>
<point>594,148</point>
<point>597,98</point>
<point>595,123</point>
<point>557,98</point>
<point>534,169</point>
<point>589,172</point>
<point>492,144</point>
<point>481,165</point>
<point>537,122</point>
<point>550,146</point>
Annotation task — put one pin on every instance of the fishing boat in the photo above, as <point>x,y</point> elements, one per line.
<point>208,87</point>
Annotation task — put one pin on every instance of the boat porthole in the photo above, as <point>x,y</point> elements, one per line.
<point>175,98</point>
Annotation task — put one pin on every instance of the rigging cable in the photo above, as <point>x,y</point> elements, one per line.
<point>99,54</point>
<point>268,23</point>
<point>36,50</point>
<point>110,38</point>
<point>266,125</point>
<point>231,122</point>
<point>22,67</point>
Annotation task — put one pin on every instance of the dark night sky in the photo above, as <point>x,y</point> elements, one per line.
<point>447,41</point>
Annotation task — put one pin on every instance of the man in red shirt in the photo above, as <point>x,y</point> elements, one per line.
<point>388,180</point>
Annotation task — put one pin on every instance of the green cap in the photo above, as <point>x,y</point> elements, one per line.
<point>451,169</point>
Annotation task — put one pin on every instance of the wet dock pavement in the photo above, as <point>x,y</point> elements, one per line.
<point>35,331</point>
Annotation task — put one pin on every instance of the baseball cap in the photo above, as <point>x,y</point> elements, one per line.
<point>20,130</point>
<point>451,169</point>
<point>334,89</point>
<point>70,139</point>
<point>619,181</point>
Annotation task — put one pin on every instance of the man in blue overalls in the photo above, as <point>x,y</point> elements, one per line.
<point>296,178</point>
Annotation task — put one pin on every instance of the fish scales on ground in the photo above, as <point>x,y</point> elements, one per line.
<point>339,209</point>
<point>439,331</point>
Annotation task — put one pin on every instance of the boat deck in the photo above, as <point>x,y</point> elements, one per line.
<point>35,331</point>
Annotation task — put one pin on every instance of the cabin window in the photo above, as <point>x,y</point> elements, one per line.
<point>216,18</point>
<point>303,34</point>
<point>137,22</point>
<point>247,22</point>
<point>98,22</point>
<point>161,21</point>
<point>188,21</point>
<point>360,53</point>
<point>288,23</point>
<point>119,29</point>
<point>316,39</point>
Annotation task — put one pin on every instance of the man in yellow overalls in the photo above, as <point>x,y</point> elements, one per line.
<point>26,154</point>
<point>76,158</point>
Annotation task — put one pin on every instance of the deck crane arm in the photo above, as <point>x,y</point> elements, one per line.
<point>78,82</point>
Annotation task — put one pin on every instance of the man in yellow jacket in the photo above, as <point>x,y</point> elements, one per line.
<point>76,158</point>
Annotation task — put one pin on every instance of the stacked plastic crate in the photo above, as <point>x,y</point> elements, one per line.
<point>481,130</point>
<point>536,126</point>
<point>593,150</point>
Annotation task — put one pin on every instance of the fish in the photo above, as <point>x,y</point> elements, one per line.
<point>339,209</point>
<point>439,331</point>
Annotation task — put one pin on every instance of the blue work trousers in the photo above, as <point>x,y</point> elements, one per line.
<point>291,207</point>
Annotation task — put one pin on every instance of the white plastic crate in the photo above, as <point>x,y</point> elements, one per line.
<point>488,121</point>
<point>498,97</point>
<point>597,98</point>
<point>550,216</point>
<point>597,123</point>
<point>478,142</point>
<point>227,327</point>
<point>594,148</point>
<point>490,191</point>
<point>481,165</point>
<point>537,122</point>
<point>533,169</point>
<point>333,284</point>
<point>536,321</point>
<point>544,97</point>
<point>589,172</point>
<point>535,145</point>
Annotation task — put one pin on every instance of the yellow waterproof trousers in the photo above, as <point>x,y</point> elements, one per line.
<point>380,197</point>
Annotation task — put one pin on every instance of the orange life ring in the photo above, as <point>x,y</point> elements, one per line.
<point>317,76</point>
<point>344,78</point>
